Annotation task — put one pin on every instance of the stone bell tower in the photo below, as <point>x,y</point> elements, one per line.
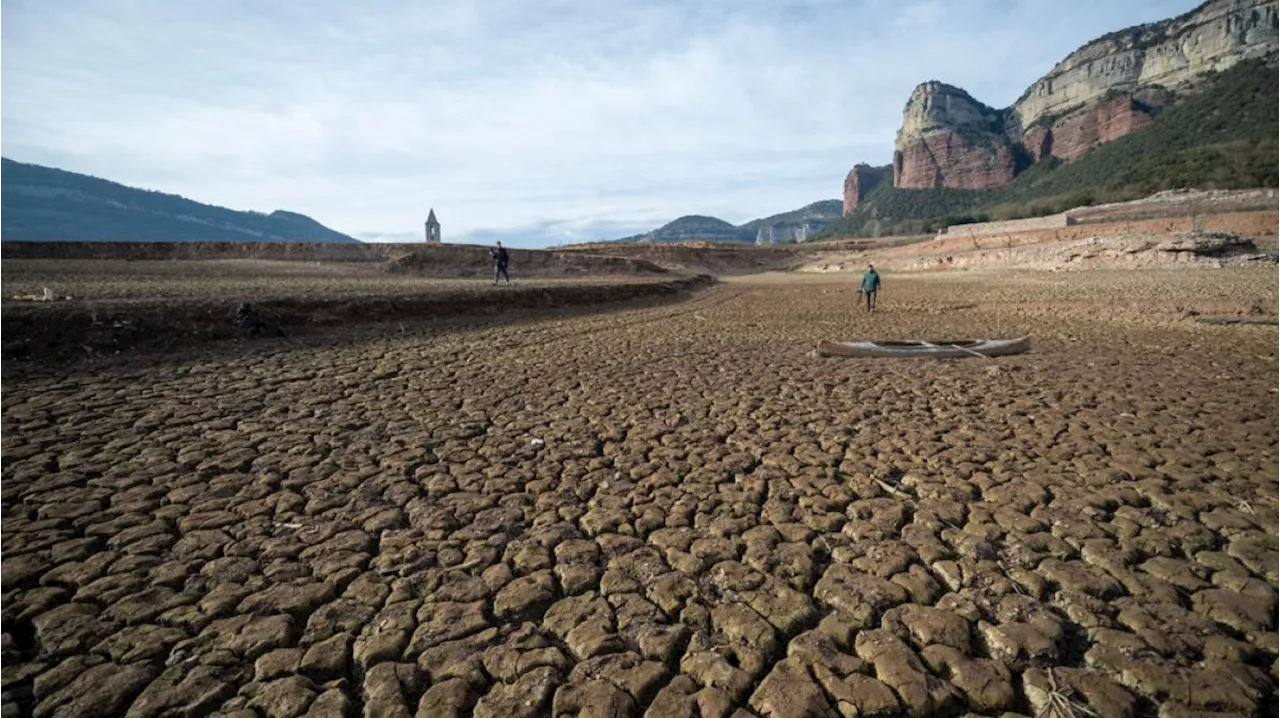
<point>433,228</point>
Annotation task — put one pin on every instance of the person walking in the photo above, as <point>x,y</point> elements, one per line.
<point>870,286</point>
<point>500,261</point>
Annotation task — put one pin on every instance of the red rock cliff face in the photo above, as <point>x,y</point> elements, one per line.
<point>1071,136</point>
<point>949,139</point>
<point>851,195</point>
<point>857,184</point>
<point>1103,91</point>
<point>948,159</point>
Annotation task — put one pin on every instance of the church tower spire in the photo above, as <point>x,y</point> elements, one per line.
<point>433,228</point>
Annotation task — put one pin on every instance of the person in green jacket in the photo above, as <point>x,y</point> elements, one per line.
<point>870,285</point>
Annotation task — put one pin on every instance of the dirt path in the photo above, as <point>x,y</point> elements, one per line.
<point>710,520</point>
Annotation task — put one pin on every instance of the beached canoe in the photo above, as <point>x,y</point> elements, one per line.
<point>936,349</point>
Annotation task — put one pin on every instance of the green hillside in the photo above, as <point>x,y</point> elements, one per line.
<point>43,203</point>
<point>1222,136</point>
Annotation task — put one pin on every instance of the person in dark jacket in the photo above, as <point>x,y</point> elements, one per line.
<point>500,261</point>
<point>870,286</point>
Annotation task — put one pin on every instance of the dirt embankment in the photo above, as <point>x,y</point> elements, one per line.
<point>447,260</point>
<point>725,259</point>
<point>701,257</point>
<point>1141,251</point>
<point>462,260</point>
<point>868,243</point>
<point>78,329</point>
<point>1179,203</point>
<point>433,260</point>
<point>1220,240</point>
<point>1259,226</point>
<point>162,295</point>
<point>1189,206</point>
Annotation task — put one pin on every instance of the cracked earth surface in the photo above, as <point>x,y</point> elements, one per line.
<point>718,523</point>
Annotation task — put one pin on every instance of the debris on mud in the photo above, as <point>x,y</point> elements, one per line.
<point>46,296</point>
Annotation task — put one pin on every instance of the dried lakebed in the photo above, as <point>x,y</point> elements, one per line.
<point>151,307</point>
<point>718,523</point>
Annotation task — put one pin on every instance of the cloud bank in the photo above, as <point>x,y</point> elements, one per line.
<point>536,123</point>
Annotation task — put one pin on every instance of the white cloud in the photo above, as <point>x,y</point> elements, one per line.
<point>544,121</point>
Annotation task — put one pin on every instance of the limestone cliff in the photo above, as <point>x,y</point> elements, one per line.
<point>1105,90</point>
<point>949,139</point>
<point>1171,53</point>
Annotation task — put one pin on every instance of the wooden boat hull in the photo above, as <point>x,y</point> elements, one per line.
<point>934,349</point>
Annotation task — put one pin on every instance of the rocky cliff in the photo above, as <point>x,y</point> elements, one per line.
<point>1075,133</point>
<point>1171,53</point>
<point>1105,90</point>
<point>859,182</point>
<point>788,233</point>
<point>949,139</point>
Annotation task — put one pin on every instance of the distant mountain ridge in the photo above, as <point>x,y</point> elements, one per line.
<point>45,203</point>
<point>797,225</point>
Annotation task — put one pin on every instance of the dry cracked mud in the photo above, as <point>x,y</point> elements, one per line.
<point>715,523</point>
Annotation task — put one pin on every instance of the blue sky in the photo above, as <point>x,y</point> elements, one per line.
<point>536,123</point>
